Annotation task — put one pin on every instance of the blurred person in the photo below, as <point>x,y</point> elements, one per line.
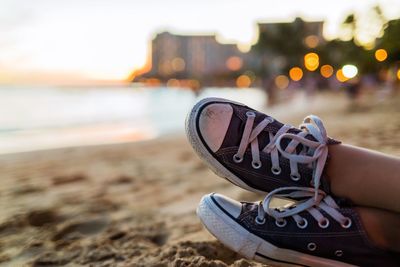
<point>353,89</point>
<point>344,207</point>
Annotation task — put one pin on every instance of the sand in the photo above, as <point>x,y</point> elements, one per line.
<point>134,204</point>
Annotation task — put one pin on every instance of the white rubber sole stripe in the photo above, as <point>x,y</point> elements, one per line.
<point>199,146</point>
<point>223,226</point>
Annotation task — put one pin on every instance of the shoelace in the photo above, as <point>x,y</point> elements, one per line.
<point>318,149</point>
<point>324,202</point>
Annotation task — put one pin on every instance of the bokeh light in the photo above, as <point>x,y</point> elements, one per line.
<point>178,64</point>
<point>234,63</point>
<point>349,71</point>
<point>282,82</point>
<point>251,75</point>
<point>296,74</point>
<point>381,55</point>
<point>311,61</point>
<point>311,41</point>
<point>243,81</point>
<point>165,67</point>
<point>326,71</point>
<point>173,83</point>
<point>398,74</point>
<point>340,76</point>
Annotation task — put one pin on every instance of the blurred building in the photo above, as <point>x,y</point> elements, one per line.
<point>199,57</point>
<point>283,44</point>
<point>205,61</point>
<point>312,30</point>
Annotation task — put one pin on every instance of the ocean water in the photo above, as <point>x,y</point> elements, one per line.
<point>34,118</point>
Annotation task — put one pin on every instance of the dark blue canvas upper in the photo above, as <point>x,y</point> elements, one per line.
<point>352,243</point>
<point>261,179</point>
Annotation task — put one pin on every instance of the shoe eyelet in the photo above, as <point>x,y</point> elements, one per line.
<point>281,223</point>
<point>250,114</point>
<point>302,225</point>
<point>276,170</point>
<point>256,164</point>
<point>347,223</point>
<point>295,176</point>
<point>324,223</point>
<point>237,159</point>
<point>312,246</point>
<point>260,222</point>
<point>338,253</point>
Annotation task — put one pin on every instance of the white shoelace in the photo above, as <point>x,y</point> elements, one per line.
<point>315,155</point>
<point>324,202</point>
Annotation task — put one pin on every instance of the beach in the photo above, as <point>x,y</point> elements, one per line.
<point>133,204</point>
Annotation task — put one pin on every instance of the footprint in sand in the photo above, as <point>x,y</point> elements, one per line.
<point>27,189</point>
<point>61,180</point>
<point>122,180</point>
<point>81,227</point>
<point>42,217</point>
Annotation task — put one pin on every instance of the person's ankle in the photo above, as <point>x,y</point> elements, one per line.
<point>382,227</point>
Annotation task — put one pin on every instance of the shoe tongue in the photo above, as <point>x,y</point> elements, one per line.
<point>274,128</point>
<point>237,125</point>
<point>249,206</point>
<point>234,133</point>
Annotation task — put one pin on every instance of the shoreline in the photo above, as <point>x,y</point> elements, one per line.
<point>50,118</point>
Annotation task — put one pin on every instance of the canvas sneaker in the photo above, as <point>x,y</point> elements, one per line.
<point>303,234</point>
<point>256,152</point>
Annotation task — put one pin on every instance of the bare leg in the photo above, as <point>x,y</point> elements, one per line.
<point>382,227</point>
<point>366,177</point>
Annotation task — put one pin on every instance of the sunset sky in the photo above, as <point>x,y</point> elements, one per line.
<point>59,41</point>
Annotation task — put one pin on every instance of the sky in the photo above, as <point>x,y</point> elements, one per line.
<point>77,41</point>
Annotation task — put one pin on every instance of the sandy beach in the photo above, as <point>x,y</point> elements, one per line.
<point>134,204</point>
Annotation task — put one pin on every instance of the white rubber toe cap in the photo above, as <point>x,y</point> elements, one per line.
<point>233,207</point>
<point>213,123</point>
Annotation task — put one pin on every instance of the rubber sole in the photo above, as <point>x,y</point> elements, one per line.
<point>220,224</point>
<point>192,133</point>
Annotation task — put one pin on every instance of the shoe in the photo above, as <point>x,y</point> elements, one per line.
<point>303,234</point>
<point>256,152</point>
